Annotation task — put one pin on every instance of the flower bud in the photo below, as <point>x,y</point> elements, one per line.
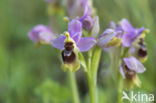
<point>88,23</point>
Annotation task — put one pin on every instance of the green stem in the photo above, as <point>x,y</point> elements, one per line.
<point>115,61</point>
<point>89,59</point>
<point>92,89</point>
<point>93,63</point>
<point>74,88</point>
<point>119,89</point>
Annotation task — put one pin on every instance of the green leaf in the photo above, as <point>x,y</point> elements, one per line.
<point>95,60</point>
<point>82,62</point>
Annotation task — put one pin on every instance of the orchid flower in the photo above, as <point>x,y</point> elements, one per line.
<point>129,68</point>
<point>71,43</point>
<point>123,33</point>
<point>131,33</point>
<point>42,34</point>
<point>109,38</point>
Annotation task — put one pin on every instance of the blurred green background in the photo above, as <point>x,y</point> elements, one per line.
<point>33,75</point>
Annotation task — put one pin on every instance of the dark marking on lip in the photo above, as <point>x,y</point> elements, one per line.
<point>68,57</point>
<point>141,42</point>
<point>130,74</point>
<point>69,46</point>
<point>142,52</point>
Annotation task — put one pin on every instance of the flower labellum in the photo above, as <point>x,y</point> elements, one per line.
<point>138,48</point>
<point>70,54</point>
<point>142,52</point>
<point>129,68</point>
<point>41,34</point>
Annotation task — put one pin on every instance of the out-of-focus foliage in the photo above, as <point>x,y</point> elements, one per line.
<point>52,92</point>
<point>24,69</point>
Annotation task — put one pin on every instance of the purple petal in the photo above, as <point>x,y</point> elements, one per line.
<point>87,12</point>
<point>127,39</point>
<point>46,36</point>
<point>86,43</point>
<point>59,42</point>
<point>74,26</point>
<point>139,31</point>
<point>126,26</point>
<point>77,37</point>
<point>106,36</point>
<point>131,36</point>
<point>86,9</point>
<point>134,64</point>
<point>35,32</point>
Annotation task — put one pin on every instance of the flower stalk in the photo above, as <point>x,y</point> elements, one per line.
<point>115,62</point>
<point>92,88</point>
<point>73,84</point>
<point>93,63</point>
<point>119,89</point>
